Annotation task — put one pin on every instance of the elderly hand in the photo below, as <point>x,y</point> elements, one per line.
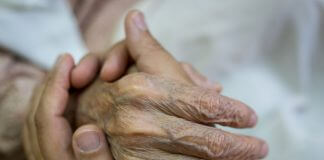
<point>159,112</point>
<point>47,133</point>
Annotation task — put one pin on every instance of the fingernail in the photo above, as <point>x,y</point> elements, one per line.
<point>264,150</point>
<point>88,141</point>
<point>253,120</point>
<point>138,19</point>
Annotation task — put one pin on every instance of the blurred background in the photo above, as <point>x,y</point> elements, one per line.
<point>266,53</point>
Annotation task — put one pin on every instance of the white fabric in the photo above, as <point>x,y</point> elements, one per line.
<point>39,30</point>
<point>267,53</point>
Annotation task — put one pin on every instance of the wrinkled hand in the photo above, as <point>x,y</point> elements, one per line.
<point>159,112</point>
<point>47,133</point>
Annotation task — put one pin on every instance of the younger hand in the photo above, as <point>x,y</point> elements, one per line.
<point>47,133</point>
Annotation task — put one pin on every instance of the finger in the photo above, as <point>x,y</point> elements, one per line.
<point>208,106</point>
<point>55,95</point>
<point>199,79</point>
<point>89,143</point>
<point>201,105</point>
<point>210,143</point>
<point>27,144</point>
<point>85,71</point>
<point>116,62</point>
<point>30,137</point>
<point>148,54</point>
<point>53,130</point>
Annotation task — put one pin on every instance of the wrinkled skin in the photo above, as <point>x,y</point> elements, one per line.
<point>160,112</point>
<point>157,113</point>
<point>152,117</point>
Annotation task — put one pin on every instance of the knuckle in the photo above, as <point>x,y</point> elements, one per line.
<point>135,85</point>
<point>217,145</point>
<point>219,109</point>
<point>226,146</point>
<point>124,120</point>
<point>238,147</point>
<point>208,106</point>
<point>242,148</point>
<point>133,80</point>
<point>130,124</point>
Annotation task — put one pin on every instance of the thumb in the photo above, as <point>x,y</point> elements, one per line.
<point>89,143</point>
<point>149,55</point>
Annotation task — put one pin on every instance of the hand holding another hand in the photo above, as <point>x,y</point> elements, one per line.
<point>159,112</point>
<point>161,109</point>
<point>48,134</point>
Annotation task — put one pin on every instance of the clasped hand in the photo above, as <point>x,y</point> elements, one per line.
<point>156,109</point>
